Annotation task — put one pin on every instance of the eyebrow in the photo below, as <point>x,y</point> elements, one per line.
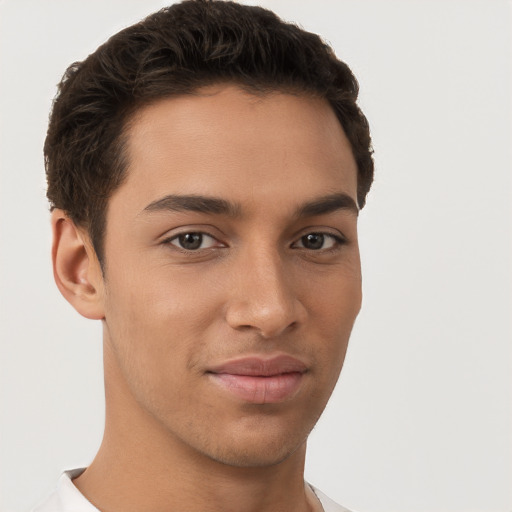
<point>218,206</point>
<point>328,204</point>
<point>194,203</point>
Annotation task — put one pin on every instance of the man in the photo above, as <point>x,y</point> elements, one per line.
<point>205,169</point>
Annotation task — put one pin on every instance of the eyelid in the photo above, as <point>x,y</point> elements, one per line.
<point>203,229</point>
<point>168,239</point>
<point>204,238</point>
<point>338,238</point>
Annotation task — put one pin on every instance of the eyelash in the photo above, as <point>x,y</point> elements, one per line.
<point>169,241</point>
<point>338,241</point>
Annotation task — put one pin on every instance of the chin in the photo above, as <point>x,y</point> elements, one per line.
<point>256,448</point>
<point>254,457</point>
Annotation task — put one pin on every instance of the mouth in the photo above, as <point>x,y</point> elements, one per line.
<point>259,380</point>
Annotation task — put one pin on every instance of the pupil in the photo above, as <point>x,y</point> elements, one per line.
<point>191,241</point>
<point>313,241</point>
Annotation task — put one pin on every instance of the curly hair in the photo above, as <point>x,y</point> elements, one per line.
<point>176,51</point>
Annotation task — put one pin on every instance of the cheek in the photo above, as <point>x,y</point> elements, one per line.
<point>333,314</point>
<point>156,318</point>
<point>336,299</point>
<point>150,326</point>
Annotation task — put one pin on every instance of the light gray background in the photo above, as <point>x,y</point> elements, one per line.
<point>422,417</point>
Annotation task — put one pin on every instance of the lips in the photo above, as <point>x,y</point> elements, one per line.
<point>259,380</point>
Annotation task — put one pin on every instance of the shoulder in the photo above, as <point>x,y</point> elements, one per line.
<point>66,497</point>
<point>50,504</point>
<point>327,504</point>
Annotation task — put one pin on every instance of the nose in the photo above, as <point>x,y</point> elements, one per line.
<point>262,296</point>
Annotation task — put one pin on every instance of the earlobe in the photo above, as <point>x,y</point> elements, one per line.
<point>76,268</point>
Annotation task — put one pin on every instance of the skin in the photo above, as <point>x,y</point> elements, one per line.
<point>255,286</point>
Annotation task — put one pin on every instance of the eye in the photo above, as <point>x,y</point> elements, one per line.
<point>193,241</point>
<point>319,241</point>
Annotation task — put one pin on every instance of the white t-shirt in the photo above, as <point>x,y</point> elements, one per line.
<point>67,498</point>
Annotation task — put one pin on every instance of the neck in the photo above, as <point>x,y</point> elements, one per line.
<point>142,466</point>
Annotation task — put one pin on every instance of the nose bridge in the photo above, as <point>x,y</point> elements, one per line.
<point>263,296</point>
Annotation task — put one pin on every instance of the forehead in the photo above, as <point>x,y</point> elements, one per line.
<point>224,141</point>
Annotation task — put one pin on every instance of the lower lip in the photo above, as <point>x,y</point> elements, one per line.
<point>260,390</point>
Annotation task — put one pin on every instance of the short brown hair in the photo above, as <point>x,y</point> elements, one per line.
<point>176,51</point>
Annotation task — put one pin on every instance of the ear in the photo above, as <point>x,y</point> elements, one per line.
<point>76,268</point>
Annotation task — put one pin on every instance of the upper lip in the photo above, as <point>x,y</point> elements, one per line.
<point>256,366</point>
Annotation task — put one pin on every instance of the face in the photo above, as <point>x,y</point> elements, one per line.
<point>232,276</point>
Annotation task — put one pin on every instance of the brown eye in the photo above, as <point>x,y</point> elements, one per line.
<point>319,241</point>
<point>193,241</point>
<point>313,241</point>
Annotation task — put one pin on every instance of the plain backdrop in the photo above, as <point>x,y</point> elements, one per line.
<point>421,419</point>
